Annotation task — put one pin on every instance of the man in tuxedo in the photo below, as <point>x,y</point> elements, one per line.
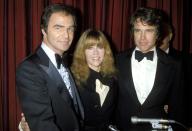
<point>166,41</point>
<point>45,87</point>
<point>148,77</point>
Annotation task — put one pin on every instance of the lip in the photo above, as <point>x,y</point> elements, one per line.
<point>142,43</point>
<point>95,59</point>
<point>63,41</point>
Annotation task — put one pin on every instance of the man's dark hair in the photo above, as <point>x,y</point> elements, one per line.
<point>68,10</point>
<point>150,16</point>
<point>167,25</point>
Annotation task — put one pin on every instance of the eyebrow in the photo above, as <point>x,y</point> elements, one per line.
<point>58,25</point>
<point>63,26</point>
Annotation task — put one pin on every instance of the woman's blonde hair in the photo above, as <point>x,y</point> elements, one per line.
<point>80,67</point>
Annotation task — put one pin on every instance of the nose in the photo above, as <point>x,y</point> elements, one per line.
<point>65,34</point>
<point>142,35</point>
<point>95,50</point>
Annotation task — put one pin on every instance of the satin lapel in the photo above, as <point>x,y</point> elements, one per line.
<point>132,87</point>
<point>128,79</point>
<point>76,99</point>
<point>162,75</point>
<point>52,72</point>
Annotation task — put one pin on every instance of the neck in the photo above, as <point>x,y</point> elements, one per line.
<point>97,69</point>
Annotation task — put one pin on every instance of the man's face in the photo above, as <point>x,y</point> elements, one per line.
<point>145,36</point>
<point>165,42</point>
<point>60,32</point>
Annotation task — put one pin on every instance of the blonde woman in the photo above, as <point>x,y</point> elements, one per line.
<point>94,71</point>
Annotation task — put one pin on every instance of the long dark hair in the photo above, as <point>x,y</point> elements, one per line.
<point>150,16</point>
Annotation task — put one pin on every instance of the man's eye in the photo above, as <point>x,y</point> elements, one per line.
<point>136,30</point>
<point>57,28</point>
<point>151,30</point>
<point>71,29</point>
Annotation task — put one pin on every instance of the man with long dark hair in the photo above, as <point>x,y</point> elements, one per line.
<point>148,77</point>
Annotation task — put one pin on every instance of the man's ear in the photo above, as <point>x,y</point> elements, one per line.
<point>43,32</point>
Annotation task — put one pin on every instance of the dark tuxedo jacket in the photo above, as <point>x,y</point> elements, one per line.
<point>184,58</point>
<point>44,98</point>
<point>176,54</point>
<point>189,91</point>
<point>167,90</point>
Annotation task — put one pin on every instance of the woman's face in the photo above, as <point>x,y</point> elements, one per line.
<point>94,57</point>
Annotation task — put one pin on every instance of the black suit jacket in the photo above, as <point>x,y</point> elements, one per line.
<point>44,98</point>
<point>167,90</point>
<point>176,54</point>
<point>189,91</point>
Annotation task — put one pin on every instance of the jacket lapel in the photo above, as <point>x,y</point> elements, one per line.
<point>52,72</point>
<point>127,75</point>
<point>76,99</point>
<point>162,75</point>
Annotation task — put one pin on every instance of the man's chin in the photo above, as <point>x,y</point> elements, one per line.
<point>66,49</point>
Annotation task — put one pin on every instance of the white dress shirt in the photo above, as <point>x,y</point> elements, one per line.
<point>143,74</point>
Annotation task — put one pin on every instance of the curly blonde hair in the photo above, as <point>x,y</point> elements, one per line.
<point>79,65</point>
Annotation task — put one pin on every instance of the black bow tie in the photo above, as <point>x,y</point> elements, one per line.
<point>139,55</point>
<point>59,60</point>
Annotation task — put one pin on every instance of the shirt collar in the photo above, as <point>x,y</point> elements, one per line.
<point>50,53</point>
<point>167,51</point>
